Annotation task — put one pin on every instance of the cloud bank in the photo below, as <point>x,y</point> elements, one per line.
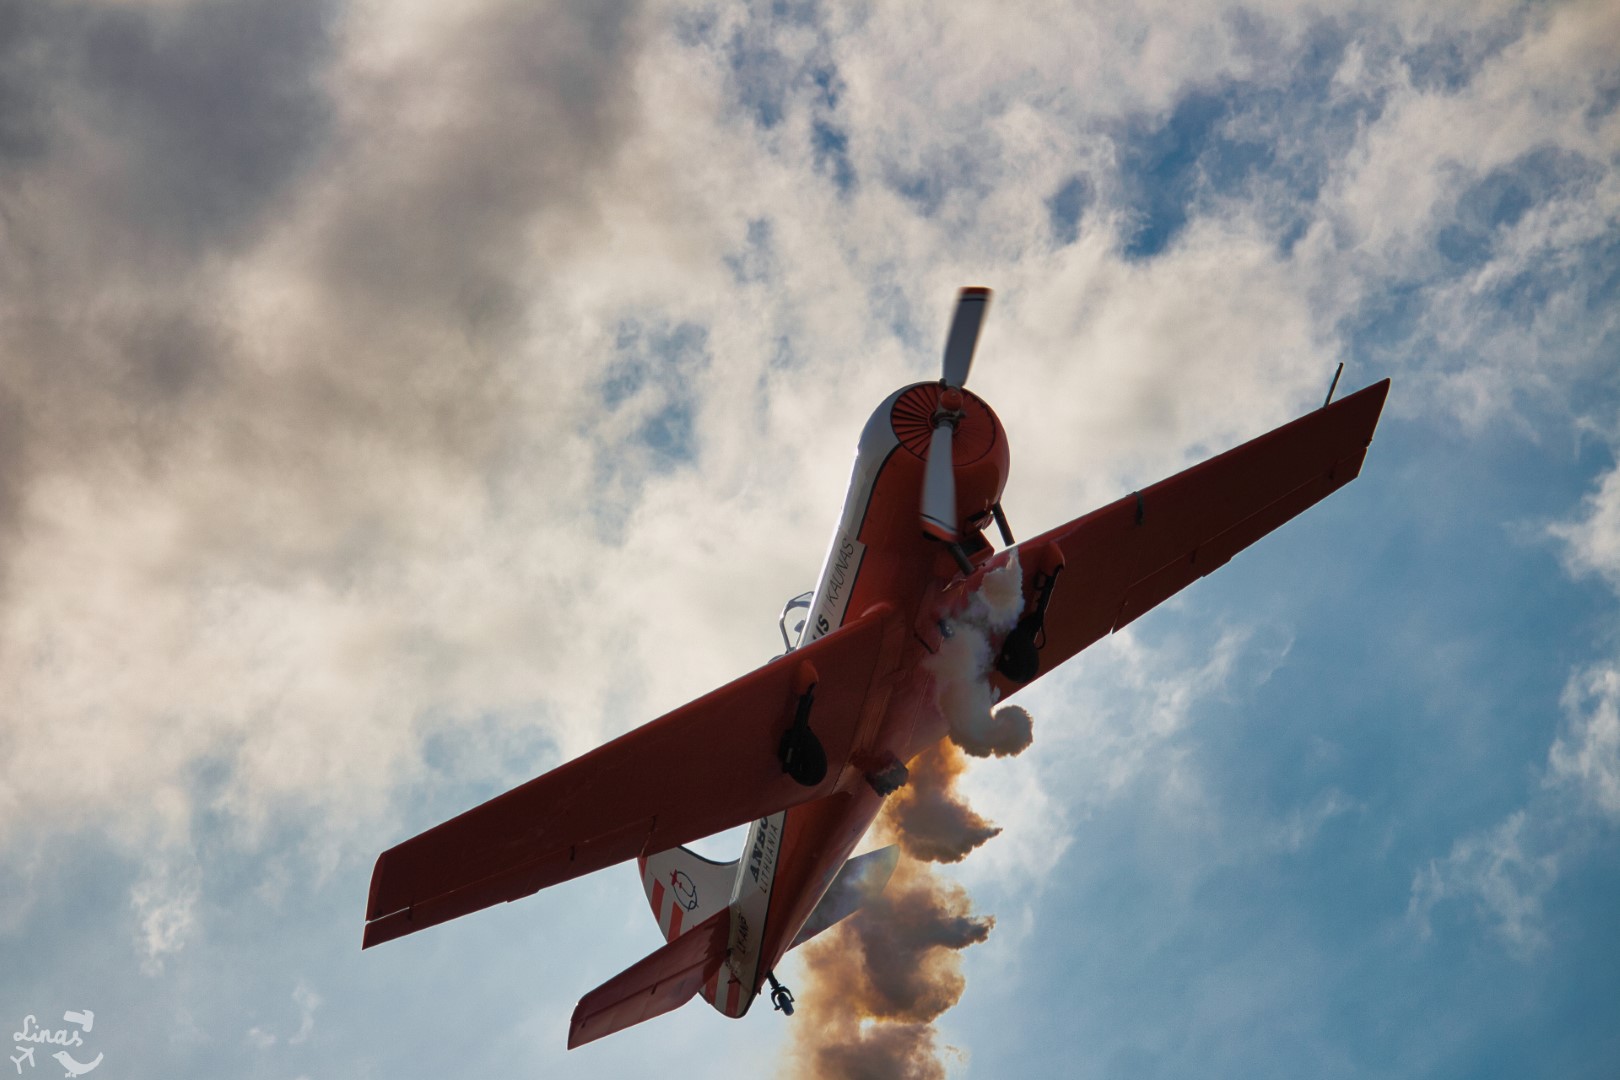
<point>397,401</point>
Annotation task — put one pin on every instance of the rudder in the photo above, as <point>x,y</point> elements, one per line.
<point>683,888</point>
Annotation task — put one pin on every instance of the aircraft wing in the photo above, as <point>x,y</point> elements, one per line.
<point>1127,557</point>
<point>708,766</point>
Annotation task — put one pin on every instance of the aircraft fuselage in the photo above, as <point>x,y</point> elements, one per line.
<point>878,555</point>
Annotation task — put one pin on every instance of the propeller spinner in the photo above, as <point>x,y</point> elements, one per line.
<point>939,517</point>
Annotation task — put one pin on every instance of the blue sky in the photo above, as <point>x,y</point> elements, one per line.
<point>395,403</point>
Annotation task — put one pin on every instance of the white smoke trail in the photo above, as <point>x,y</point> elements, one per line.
<point>961,668</point>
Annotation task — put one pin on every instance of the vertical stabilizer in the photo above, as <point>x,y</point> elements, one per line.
<point>683,888</point>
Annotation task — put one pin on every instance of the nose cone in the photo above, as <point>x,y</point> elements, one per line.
<point>978,448</point>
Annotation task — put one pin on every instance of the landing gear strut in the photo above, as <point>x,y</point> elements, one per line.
<point>781,996</point>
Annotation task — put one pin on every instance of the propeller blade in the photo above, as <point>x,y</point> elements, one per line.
<point>964,336</point>
<point>939,487</point>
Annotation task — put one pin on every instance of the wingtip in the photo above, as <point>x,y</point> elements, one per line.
<point>374,895</point>
<point>578,1035</point>
<point>1378,392</point>
<point>1373,395</point>
<point>393,925</point>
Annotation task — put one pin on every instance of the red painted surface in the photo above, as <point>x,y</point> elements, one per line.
<point>713,764</point>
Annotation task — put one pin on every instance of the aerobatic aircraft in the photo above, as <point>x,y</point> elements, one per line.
<point>807,747</point>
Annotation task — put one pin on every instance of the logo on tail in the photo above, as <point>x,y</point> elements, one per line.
<point>685,889</point>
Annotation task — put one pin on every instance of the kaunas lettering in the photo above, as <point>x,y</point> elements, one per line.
<point>837,578</point>
<point>840,570</point>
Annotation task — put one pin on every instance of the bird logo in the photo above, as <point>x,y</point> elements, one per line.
<point>73,1067</point>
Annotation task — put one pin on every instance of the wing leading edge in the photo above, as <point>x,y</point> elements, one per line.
<point>708,766</point>
<point>1125,558</point>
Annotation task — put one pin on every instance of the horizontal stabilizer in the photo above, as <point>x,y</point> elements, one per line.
<point>861,881</point>
<point>654,985</point>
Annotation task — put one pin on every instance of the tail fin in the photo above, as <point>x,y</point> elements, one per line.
<point>657,984</point>
<point>859,882</point>
<point>687,891</point>
<point>684,888</point>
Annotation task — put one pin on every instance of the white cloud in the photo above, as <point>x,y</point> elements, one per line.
<point>165,901</point>
<point>1128,726</point>
<point>371,521</point>
<point>308,1001</point>
<point>1300,827</point>
<point>1114,729</point>
<point>1501,872</point>
<point>1592,543</point>
<point>1587,755</point>
<point>293,505</point>
<point>1509,869</point>
<point>366,520</point>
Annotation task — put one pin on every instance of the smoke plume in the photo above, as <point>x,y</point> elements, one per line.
<point>931,821</point>
<point>961,667</point>
<point>874,984</point>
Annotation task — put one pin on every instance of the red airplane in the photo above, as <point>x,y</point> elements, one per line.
<point>807,747</point>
